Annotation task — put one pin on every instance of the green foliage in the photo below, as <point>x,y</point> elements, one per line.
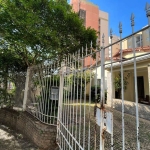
<point>96,98</point>
<point>42,29</point>
<point>34,31</point>
<point>78,81</point>
<point>118,83</point>
<point>10,65</point>
<point>6,97</point>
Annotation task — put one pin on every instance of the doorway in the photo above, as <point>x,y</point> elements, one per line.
<point>140,86</point>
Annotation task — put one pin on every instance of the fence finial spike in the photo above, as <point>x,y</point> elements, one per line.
<point>147,8</point>
<point>120,27</point>
<point>132,19</point>
<point>111,31</point>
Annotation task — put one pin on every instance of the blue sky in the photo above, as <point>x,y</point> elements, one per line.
<point>120,10</point>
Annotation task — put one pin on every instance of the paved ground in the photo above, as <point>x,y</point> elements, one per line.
<point>82,129</point>
<point>130,132</point>
<point>11,140</point>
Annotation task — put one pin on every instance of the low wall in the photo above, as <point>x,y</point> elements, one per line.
<point>44,136</point>
<point>130,108</point>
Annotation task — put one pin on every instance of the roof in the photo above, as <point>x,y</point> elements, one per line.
<point>129,61</point>
<point>116,57</point>
<point>144,49</point>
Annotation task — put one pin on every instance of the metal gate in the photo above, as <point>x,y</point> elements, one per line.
<point>99,104</point>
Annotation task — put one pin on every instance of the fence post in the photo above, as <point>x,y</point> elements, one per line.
<point>60,100</point>
<point>135,83</point>
<point>26,89</point>
<point>102,96</point>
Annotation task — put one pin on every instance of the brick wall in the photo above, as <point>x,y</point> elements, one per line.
<point>44,136</point>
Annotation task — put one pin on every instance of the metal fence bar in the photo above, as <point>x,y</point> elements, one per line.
<point>102,54</point>
<point>81,91</point>
<point>75,119</point>
<point>96,99</point>
<point>64,107</point>
<point>67,103</point>
<point>42,104</point>
<point>122,89</point>
<point>135,81</point>
<point>73,98</point>
<point>74,139</point>
<point>84,108</point>
<point>48,90</point>
<point>89,111</point>
<point>77,89</point>
<point>68,92</point>
<point>70,99</point>
<point>111,36</point>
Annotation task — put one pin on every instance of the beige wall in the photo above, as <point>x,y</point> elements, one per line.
<point>145,37</point>
<point>142,70</point>
<point>130,88</point>
<point>115,47</point>
<point>124,44</point>
<point>130,54</point>
<point>129,40</point>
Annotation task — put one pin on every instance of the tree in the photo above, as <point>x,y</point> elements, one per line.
<point>33,31</point>
<point>12,69</point>
<point>42,29</point>
<point>118,83</point>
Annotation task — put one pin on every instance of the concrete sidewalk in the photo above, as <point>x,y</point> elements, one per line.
<point>11,140</point>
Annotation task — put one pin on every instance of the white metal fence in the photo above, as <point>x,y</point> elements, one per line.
<point>42,92</point>
<point>89,114</point>
<point>87,119</point>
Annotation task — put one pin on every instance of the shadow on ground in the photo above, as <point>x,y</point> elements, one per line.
<point>11,140</point>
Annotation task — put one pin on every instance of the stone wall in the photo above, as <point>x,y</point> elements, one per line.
<point>130,108</point>
<point>44,136</point>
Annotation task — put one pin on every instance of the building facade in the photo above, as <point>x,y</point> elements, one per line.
<point>141,43</point>
<point>94,18</point>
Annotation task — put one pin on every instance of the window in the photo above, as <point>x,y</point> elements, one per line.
<point>99,21</point>
<point>82,15</point>
<point>138,41</point>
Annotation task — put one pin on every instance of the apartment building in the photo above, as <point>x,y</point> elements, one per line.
<point>95,18</point>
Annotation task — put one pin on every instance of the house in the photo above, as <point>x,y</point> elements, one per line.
<point>142,57</point>
<point>142,68</point>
